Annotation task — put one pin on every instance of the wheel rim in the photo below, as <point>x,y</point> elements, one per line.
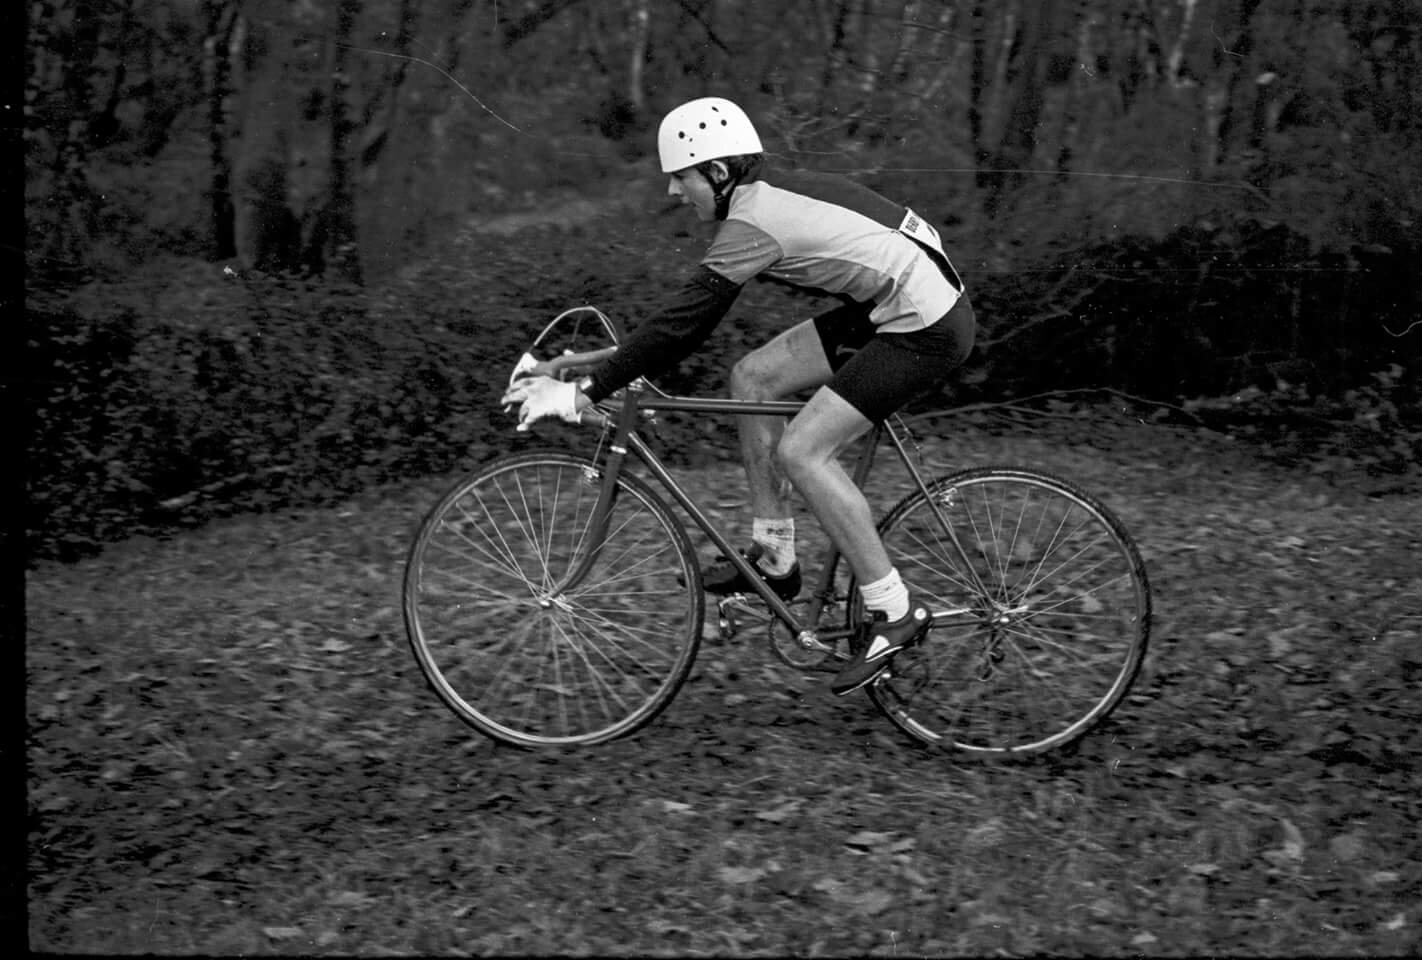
<point>1050,642</point>
<point>517,648</point>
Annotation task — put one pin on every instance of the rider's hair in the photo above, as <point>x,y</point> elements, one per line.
<point>742,167</point>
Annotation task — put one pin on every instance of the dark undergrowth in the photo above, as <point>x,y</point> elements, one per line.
<point>186,391</point>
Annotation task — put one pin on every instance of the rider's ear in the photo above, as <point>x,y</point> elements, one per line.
<point>720,173</point>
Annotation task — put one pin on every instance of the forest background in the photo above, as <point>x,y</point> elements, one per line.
<point>279,257</point>
<point>280,251</point>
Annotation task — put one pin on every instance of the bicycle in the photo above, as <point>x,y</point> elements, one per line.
<point>552,597</point>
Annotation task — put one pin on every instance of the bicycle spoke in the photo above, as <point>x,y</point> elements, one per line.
<point>1060,612</point>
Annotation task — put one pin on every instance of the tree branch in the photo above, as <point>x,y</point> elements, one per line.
<point>710,34</point>
<point>1053,313</point>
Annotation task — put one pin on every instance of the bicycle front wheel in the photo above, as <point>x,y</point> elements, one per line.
<point>1041,618</point>
<point>531,629</point>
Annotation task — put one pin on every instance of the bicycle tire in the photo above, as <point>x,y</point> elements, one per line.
<point>1056,632</point>
<point>531,661</point>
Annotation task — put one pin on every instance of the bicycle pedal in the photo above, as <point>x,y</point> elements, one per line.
<point>743,604</point>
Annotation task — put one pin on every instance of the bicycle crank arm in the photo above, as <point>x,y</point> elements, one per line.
<point>938,618</point>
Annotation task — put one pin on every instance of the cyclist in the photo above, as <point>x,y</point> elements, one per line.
<point>903,325</point>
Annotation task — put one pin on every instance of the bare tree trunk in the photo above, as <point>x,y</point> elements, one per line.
<point>375,129</point>
<point>1130,70</point>
<point>1237,50</point>
<point>1076,91</point>
<point>40,21</point>
<point>834,55</point>
<point>998,85</point>
<point>217,51</point>
<point>71,158</point>
<point>451,46</point>
<point>1019,132</point>
<point>942,32</point>
<point>868,59</point>
<point>104,124</point>
<point>639,33</point>
<point>977,86</point>
<point>1176,59</point>
<point>338,241</point>
<point>897,70</point>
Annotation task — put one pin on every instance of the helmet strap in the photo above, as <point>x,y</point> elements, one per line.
<point>721,193</point>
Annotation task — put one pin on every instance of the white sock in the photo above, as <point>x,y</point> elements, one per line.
<point>889,595</point>
<point>777,536</point>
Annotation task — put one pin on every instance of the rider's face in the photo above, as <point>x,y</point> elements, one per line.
<point>692,188</point>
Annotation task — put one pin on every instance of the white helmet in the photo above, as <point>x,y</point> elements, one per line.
<point>707,129</point>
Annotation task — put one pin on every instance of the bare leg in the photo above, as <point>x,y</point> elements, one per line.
<point>791,362</point>
<point>808,453</point>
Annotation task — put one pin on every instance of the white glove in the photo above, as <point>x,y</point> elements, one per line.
<point>525,363</point>
<point>540,398</point>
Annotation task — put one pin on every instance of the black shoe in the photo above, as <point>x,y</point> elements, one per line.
<point>884,640</point>
<point>722,577</point>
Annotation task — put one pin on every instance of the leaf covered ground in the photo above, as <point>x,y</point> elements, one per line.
<point>231,751</point>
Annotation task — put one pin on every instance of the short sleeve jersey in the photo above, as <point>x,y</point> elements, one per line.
<point>827,233</point>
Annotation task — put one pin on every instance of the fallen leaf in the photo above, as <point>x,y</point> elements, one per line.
<point>739,875</point>
<point>351,898</point>
<point>781,813</point>
<point>1347,847</point>
<point>990,920</point>
<point>282,933</point>
<point>868,901</point>
<point>873,902</point>
<point>1293,847</point>
<point>868,839</point>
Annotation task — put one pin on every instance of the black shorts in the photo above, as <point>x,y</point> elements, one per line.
<point>879,372</point>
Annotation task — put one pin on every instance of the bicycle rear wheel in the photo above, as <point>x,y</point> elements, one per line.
<point>1052,612</point>
<point>521,650</point>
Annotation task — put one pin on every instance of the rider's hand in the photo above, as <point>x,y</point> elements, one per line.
<point>542,397</point>
<point>527,366</point>
<point>530,366</point>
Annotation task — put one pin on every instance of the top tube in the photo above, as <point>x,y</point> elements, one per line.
<point>650,400</point>
<point>650,397</point>
<point>654,401</point>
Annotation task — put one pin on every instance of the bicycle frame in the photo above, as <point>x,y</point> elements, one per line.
<point>551,600</point>
<point>625,438</point>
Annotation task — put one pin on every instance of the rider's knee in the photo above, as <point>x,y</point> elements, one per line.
<point>794,455</point>
<point>752,380</point>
